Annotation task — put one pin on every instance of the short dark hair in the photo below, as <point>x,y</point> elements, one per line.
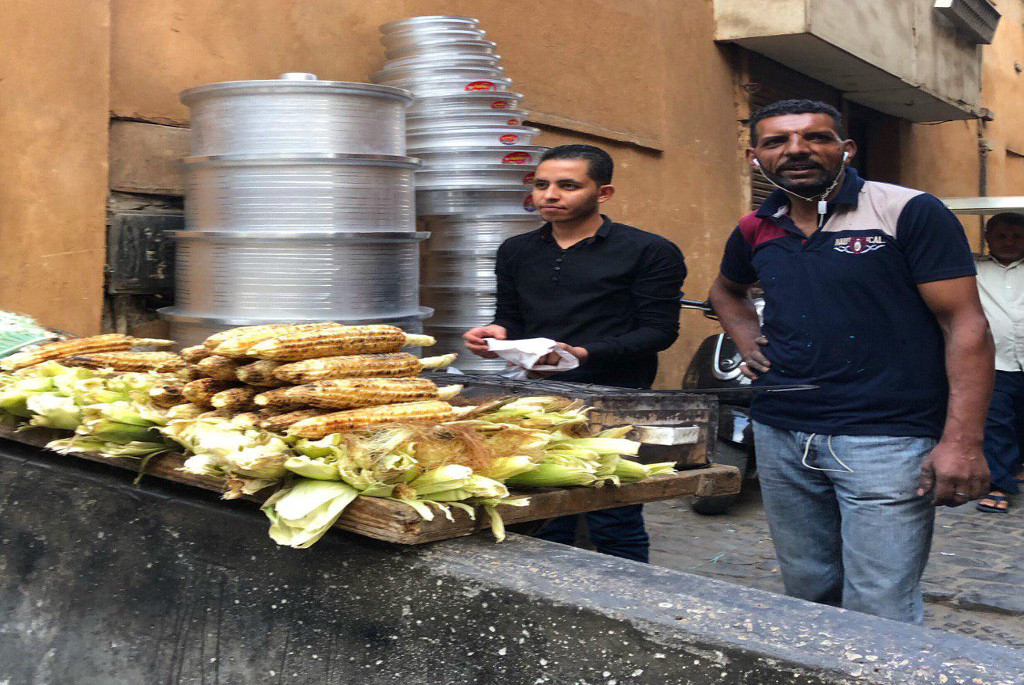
<point>1006,218</point>
<point>783,107</point>
<point>599,163</point>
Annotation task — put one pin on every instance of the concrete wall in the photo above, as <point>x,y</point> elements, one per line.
<point>54,62</point>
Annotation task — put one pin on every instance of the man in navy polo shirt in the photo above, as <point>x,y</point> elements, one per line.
<point>869,294</point>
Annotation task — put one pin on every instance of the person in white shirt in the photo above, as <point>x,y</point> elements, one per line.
<point>1001,285</point>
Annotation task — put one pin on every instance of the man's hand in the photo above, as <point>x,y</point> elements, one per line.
<point>552,358</point>
<point>476,339</point>
<point>754,361</point>
<point>955,472</point>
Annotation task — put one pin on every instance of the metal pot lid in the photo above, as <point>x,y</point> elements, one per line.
<point>466,218</point>
<point>427,19</point>
<point>482,128</point>
<point>335,236</point>
<point>297,82</point>
<point>443,45</point>
<point>459,98</point>
<point>483,149</point>
<point>172,314</point>
<point>479,168</point>
<point>416,62</point>
<point>272,159</point>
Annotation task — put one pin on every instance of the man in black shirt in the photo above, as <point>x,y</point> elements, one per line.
<point>607,292</point>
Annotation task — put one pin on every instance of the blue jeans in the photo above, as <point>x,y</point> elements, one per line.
<point>1004,431</point>
<point>618,532</point>
<point>855,535</point>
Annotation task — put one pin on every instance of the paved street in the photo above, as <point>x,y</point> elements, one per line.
<point>974,583</point>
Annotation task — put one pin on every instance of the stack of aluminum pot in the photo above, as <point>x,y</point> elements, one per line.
<point>473,188</point>
<point>299,206</point>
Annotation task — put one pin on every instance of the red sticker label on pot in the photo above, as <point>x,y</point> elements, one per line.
<point>509,139</point>
<point>517,158</point>
<point>513,122</point>
<point>481,85</point>
<point>528,178</point>
<point>528,204</point>
<point>499,104</point>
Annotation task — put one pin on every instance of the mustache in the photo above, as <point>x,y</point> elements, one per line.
<point>799,164</point>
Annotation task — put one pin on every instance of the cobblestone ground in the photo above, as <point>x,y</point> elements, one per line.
<point>974,583</point>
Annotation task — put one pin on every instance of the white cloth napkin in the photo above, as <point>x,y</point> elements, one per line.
<point>522,355</point>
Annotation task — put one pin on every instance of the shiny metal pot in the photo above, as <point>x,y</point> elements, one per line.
<point>445,61</point>
<point>308,192</point>
<point>494,176</point>
<point>455,157</point>
<point>463,103</point>
<point>465,119</point>
<point>470,136</point>
<point>444,201</point>
<point>438,83</point>
<point>472,72</point>
<point>476,233</point>
<point>469,270</point>
<point>457,307</point>
<point>311,275</point>
<point>413,38</point>
<point>449,339</point>
<point>188,329</point>
<point>437,21</point>
<point>443,47</point>
<point>296,115</point>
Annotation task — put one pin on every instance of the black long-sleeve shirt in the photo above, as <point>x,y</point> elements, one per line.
<point>616,294</point>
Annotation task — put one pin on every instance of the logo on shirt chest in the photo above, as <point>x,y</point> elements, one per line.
<point>859,244</point>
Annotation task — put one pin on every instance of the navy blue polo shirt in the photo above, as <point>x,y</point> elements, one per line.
<point>843,310</point>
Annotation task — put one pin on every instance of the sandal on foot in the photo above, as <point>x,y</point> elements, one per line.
<point>994,504</point>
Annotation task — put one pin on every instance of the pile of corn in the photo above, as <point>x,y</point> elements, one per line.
<point>111,351</point>
<point>310,380</point>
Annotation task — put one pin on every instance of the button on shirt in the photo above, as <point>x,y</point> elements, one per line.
<point>1002,296</point>
<point>615,293</point>
<point>843,310</point>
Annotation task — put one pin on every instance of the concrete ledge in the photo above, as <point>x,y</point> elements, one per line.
<point>101,582</point>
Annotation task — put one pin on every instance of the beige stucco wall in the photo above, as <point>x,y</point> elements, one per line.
<point>53,180</point>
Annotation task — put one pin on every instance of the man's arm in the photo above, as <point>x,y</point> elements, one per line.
<point>739,320</point>
<point>957,464</point>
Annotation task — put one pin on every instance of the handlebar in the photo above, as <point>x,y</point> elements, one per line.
<point>702,305</point>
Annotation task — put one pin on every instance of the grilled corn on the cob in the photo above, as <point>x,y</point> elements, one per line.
<point>169,395</point>
<point>185,411</point>
<point>354,419</point>
<point>349,393</point>
<point>219,368</point>
<point>261,373</point>
<point>279,422</point>
<point>235,399</point>
<point>278,398</point>
<point>335,341</point>
<point>195,353</point>
<point>236,345</point>
<point>359,366</point>
<point>201,392</point>
<point>128,361</point>
<point>112,342</point>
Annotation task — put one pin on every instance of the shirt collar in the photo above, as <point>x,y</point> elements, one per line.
<point>602,231</point>
<point>990,258</point>
<point>777,204</point>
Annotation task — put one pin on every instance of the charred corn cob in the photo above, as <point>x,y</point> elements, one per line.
<point>216,339</point>
<point>235,399</point>
<point>279,398</point>
<point>185,411</point>
<point>201,392</point>
<point>237,345</point>
<point>128,361</point>
<point>349,393</point>
<point>113,342</point>
<point>279,422</point>
<point>261,373</point>
<point>359,366</point>
<point>220,368</point>
<point>353,419</point>
<point>335,341</point>
<point>169,395</point>
<point>190,373</point>
<point>195,353</point>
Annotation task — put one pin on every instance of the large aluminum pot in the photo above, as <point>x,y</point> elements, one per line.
<point>465,119</point>
<point>309,192</point>
<point>437,21</point>
<point>476,233</point>
<point>437,48</point>
<point>494,176</point>
<point>470,136</point>
<point>458,307</point>
<point>449,339</point>
<point>413,38</point>
<point>428,61</point>
<point>189,329</point>
<point>438,83</point>
<point>462,269</point>
<point>408,74</point>
<point>435,157</point>
<point>463,103</point>
<point>438,201</point>
<point>292,115</point>
<point>312,275</point>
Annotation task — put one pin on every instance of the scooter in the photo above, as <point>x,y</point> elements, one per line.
<point>716,365</point>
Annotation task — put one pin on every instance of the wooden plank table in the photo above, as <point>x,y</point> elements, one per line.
<point>396,522</point>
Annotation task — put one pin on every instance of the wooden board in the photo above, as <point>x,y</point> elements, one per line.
<point>395,522</point>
